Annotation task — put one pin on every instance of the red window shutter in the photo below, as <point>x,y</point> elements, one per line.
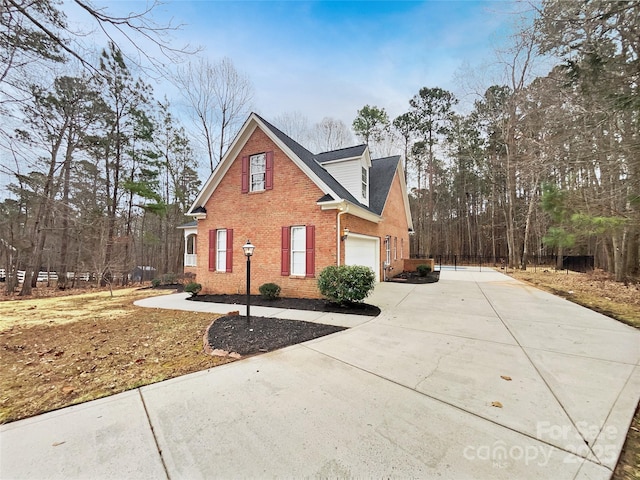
<point>310,266</point>
<point>268,182</point>
<point>245,174</point>
<point>285,257</point>
<point>212,250</point>
<point>229,250</point>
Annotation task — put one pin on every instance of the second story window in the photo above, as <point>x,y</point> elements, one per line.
<point>365,182</point>
<point>257,172</point>
<point>258,164</point>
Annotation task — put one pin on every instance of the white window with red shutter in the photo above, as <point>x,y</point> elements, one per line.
<point>258,165</point>
<point>298,251</point>
<point>221,250</point>
<point>257,172</point>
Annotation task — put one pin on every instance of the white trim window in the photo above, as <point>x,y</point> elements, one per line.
<point>298,251</point>
<point>221,250</point>
<point>365,182</point>
<point>387,242</point>
<point>395,248</point>
<point>258,173</point>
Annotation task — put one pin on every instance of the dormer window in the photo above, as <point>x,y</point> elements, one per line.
<point>365,182</point>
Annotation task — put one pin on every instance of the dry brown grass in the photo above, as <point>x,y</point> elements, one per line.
<point>65,350</point>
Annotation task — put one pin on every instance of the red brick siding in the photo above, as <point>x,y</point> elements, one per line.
<point>394,223</point>
<point>259,217</point>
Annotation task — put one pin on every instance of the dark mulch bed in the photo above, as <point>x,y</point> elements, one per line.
<point>233,334</point>
<point>316,305</point>
<point>413,277</point>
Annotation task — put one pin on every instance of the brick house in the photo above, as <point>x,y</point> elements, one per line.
<point>302,211</point>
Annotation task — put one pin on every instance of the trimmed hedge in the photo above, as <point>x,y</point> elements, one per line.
<point>423,270</point>
<point>346,283</point>
<point>270,291</point>
<point>193,288</point>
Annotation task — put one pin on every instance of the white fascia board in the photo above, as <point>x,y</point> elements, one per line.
<point>190,231</point>
<point>353,209</point>
<point>339,160</point>
<point>366,156</point>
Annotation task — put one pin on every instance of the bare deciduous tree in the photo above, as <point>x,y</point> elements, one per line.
<point>219,98</point>
<point>330,134</point>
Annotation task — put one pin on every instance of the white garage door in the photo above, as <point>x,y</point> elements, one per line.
<point>363,250</point>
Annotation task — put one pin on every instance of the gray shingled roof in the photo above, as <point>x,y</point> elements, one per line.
<point>309,159</point>
<point>193,223</point>
<point>349,152</point>
<point>380,176</point>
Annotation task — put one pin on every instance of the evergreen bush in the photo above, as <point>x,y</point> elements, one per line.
<point>270,291</point>
<point>346,283</point>
<point>423,270</point>
<point>193,288</point>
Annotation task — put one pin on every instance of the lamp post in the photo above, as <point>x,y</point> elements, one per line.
<point>248,251</point>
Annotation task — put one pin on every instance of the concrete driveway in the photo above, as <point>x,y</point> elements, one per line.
<point>476,376</point>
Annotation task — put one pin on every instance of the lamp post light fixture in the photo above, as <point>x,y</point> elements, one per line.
<point>248,251</point>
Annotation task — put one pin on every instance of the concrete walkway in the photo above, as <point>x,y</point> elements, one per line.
<point>476,376</point>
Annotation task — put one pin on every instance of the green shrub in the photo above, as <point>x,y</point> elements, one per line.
<point>423,270</point>
<point>346,283</point>
<point>155,283</point>
<point>269,291</point>
<point>169,278</point>
<point>193,288</point>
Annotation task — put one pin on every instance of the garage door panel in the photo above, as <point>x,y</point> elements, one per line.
<point>363,251</point>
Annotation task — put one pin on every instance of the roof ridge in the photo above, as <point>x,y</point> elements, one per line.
<point>343,148</point>
<point>386,158</point>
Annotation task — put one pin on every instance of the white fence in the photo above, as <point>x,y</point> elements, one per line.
<point>45,276</point>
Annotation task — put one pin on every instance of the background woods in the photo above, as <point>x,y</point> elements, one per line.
<point>541,165</point>
<point>101,171</point>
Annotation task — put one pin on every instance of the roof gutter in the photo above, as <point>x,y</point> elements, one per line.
<point>341,211</point>
<point>353,209</point>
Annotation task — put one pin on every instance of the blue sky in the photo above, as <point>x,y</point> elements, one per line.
<point>331,58</point>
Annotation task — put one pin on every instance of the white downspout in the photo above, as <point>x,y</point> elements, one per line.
<point>339,232</point>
